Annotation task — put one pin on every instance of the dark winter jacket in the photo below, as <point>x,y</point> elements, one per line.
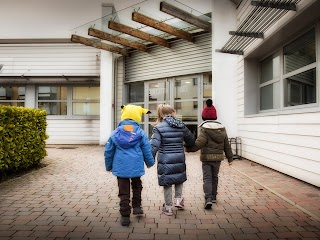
<point>168,140</point>
<point>213,142</point>
<point>127,150</point>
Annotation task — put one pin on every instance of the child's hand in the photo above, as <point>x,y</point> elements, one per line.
<point>148,166</point>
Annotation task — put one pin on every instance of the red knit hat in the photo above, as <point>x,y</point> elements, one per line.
<point>209,112</point>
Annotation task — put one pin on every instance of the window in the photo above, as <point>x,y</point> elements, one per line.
<point>300,70</point>
<point>12,96</point>
<point>85,101</point>
<point>207,86</point>
<point>136,92</point>
<point>69,100</point>
<point>186,98</point>
<point>298,76</point>
<point>53,99</point>
<point>269,82</point>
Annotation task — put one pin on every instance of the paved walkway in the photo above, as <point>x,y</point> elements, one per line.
<point>73,197</point>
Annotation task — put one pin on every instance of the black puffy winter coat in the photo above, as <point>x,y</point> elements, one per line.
<point>168,139</point>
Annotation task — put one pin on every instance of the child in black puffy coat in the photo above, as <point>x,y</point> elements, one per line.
<point>168,139</point>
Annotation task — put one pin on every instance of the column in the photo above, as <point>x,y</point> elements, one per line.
<point>106,96</point>
<point>224,66</point>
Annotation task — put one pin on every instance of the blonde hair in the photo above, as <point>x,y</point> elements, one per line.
<point>164,110</point>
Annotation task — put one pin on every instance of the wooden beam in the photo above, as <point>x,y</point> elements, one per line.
<point>247,34</point>
<point>185,16</point>
<point>137,33</point>
<point>286,6</point>
<point>106,36</point>
<point>138,17</point>
<point>88,42</point>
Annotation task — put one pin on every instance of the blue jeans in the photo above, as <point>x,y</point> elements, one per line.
<point>210,171</point>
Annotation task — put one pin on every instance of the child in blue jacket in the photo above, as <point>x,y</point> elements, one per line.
<point>125,153</point>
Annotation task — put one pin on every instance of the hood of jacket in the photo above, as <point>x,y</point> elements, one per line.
<point>174,122</point>
<point>127,134</point>
<point>216,131</point>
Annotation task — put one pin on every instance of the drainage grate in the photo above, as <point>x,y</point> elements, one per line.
<point>66,147</point>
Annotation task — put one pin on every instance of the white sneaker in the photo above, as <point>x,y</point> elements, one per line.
<point>179,203</point>
<point>167,210</point>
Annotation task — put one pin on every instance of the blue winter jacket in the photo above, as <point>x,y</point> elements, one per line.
<point>168,139</point>
<point>126,152</point>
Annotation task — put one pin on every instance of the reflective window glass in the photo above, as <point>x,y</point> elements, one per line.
<point>187,111</point>
<point>54,108</point>
<point>136,92</point>
<point>300,52</point>
<point>86,93</point>
<point>270,96</point>
<point>301,88</point>
<point>207,86</point>
<point>85,109</point>
<point>158,91</point>
<point>12,96</point>
<point>52,93</point>
<point>270,68</point>
<point>186,88</point>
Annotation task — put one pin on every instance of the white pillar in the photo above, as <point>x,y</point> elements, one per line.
<point>224,66</point>
<point>106,96</point>
<point>30,96</point>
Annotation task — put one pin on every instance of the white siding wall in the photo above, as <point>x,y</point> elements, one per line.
<point>289,143</point>
<point>56,60</point>
<point>181,59</point>
<point>76,131</point>
<point>49,60</point>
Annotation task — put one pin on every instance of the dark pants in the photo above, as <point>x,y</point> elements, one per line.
<point>124,194</point>
<point>210,171</point>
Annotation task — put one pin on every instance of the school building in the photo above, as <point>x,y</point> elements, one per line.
<point>258,60</point>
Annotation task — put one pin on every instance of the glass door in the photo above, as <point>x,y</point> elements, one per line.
<point>186,92</point>
<point>158,92</point>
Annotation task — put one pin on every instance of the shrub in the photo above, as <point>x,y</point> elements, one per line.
<point>22,138</point>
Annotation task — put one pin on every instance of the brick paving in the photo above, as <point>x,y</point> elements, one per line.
<point>73,197</point>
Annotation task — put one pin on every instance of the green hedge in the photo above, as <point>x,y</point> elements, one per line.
<point>22,138</point>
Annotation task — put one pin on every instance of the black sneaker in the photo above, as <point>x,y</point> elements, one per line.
<point>214,199</point>
<point>208,203</point>
<point>137,211</point>
<point>125,221</point>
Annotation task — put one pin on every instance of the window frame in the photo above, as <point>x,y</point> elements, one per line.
<point>277,53</point>
<point>283,109</point>
<point>69,101</point>
<point>14,101</point>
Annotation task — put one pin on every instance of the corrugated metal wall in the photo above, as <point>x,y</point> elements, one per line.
<point>182,58</point>
<point>73,131</point>
<point>49,60</point>
<point>56,60</point>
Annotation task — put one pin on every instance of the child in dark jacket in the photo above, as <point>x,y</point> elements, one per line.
<point>168,138</point>
<point>213,142</point>
<point>126,151</point>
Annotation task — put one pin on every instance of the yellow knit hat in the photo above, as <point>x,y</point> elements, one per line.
<point>132,112</point>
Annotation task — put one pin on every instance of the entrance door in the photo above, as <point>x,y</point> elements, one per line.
<point>186,92</point>
<point>158,92</point>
